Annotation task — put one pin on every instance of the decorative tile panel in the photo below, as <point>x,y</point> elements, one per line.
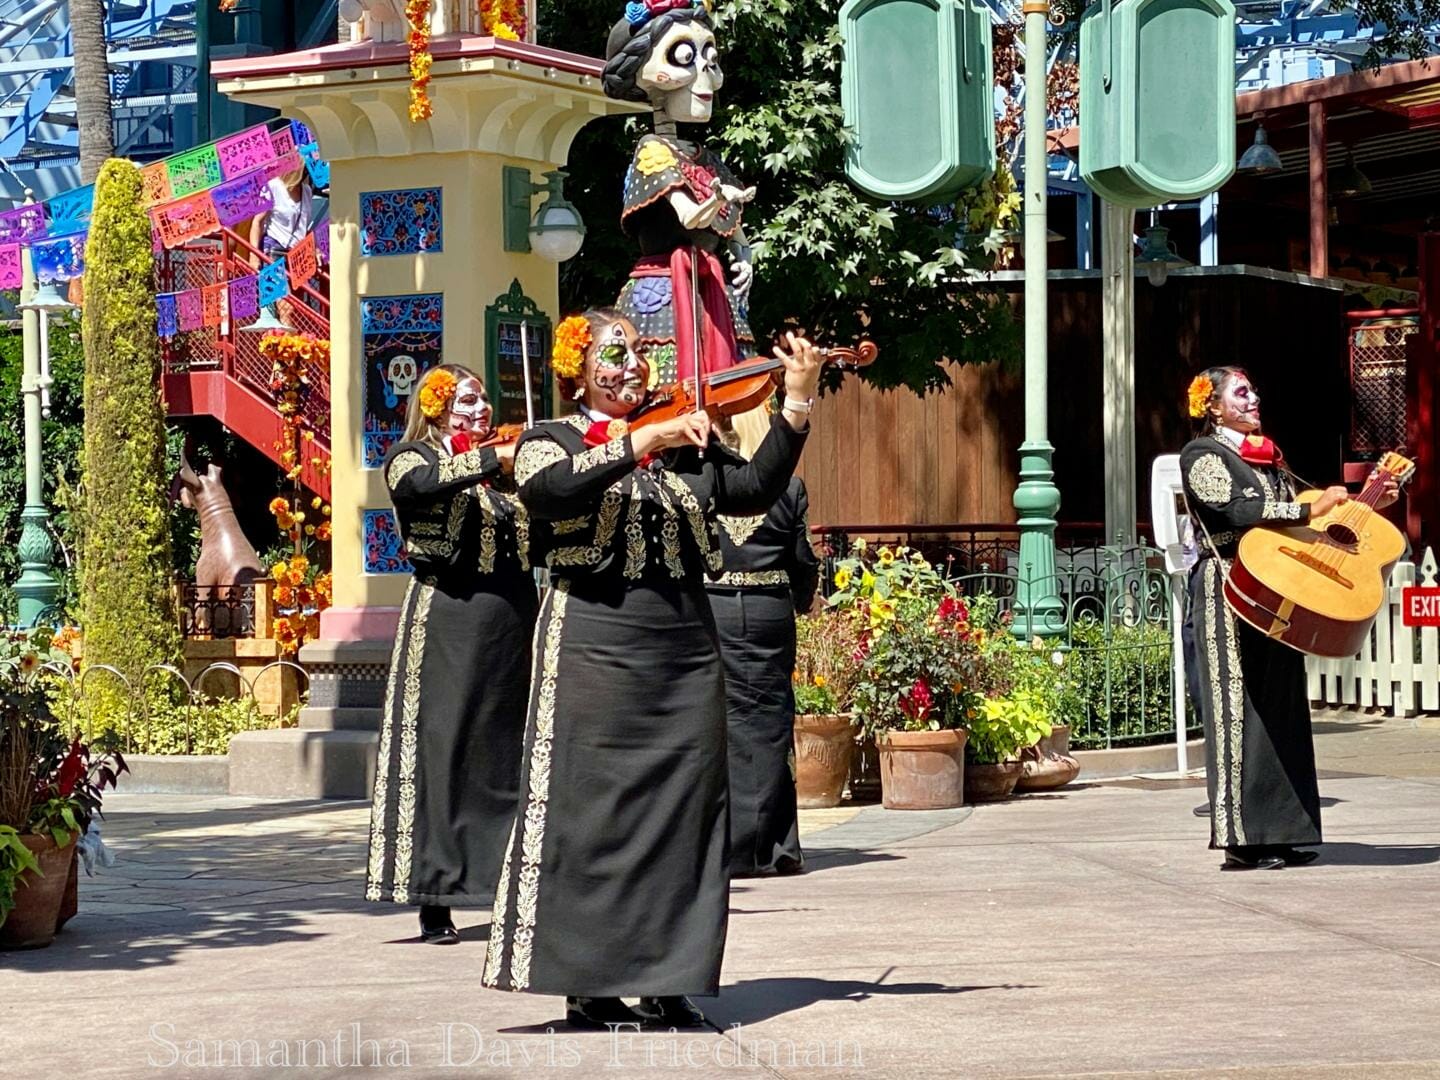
<point>400,340</point>
<point>404,222</point>
<point>384,551</point>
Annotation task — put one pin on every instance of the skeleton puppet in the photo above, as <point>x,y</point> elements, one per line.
<point>682,204</point>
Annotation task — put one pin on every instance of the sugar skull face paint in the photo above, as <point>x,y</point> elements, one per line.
<point>1239,404</point>
<point>616,376</point>
<point>470,410</point>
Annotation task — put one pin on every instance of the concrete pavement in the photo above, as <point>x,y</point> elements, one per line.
<point>1087,933</point>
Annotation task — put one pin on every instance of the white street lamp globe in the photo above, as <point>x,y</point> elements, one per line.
<point>557,232</point>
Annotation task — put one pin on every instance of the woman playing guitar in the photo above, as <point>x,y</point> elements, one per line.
<point>1260,758</point>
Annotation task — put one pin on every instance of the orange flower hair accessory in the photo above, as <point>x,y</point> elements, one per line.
<point>572,339</point>
<point>437,393</point>
<point>1200,392</point>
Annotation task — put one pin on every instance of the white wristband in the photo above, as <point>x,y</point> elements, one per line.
<point>794,405</point>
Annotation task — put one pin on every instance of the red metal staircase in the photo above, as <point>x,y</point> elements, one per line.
<point>219,371</point>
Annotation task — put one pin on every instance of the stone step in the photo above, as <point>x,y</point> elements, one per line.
<point>303,764</point>
<point>339,718</point>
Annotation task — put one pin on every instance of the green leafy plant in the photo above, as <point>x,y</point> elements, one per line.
<point>165,723</point>
<point>15,859</point>
<point>1003,726</point>
<point>126,555</point>
<point>1119,684</point>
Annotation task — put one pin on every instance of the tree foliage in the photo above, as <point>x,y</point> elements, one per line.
<point>126,561</point>
<point>829,260</point>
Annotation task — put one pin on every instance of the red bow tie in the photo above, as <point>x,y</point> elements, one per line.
<point>1260,450</point>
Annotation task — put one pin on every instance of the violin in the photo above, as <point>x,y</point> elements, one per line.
<point>503,435</point>
<point>740,388</point>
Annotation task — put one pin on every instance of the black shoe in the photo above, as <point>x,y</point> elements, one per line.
<point>1251,859</point>
<point>436,926</point>
<point>670,1012</point>
<point>1294,856</point>
<point>1203,810</point>
<point>600,1013</point>
<point>788,867</point>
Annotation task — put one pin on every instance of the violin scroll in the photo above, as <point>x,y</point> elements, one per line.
<point>846,358</point>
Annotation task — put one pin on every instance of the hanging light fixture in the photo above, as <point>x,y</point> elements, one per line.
<point>1348,181</point>
<point>1158,255</point>
<point>1261,157</point>
<point>47,299</point>
<point>268,322</point>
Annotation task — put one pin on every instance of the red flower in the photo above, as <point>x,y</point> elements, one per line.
<point>953,610</point>
<point>862,650</point>
<point>918,701</point>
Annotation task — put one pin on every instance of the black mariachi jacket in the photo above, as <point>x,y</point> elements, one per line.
<point>606,515</point>
<point>1229,495</point>
<point>455,513</point>
<point>771,550</point>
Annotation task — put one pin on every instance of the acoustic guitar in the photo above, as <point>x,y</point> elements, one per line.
<point>1318,587</point>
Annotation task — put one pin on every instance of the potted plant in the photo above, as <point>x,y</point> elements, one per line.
<point>825,728</point>
<point>49,792</point>
<point>915,687</point>
<point>1027,688</point>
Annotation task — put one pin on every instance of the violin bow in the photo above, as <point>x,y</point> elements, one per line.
<point>525,368</point>
<point>699,358</point>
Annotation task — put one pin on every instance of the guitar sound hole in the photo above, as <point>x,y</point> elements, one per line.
<point>1341,534</point>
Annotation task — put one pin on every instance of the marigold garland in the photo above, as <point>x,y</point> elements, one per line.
<point>299,595</point>
<point>504,19</point>
<point>1200,392</point>
<point>417,14</point>
<point>572,339</point>
<point>437,393</point>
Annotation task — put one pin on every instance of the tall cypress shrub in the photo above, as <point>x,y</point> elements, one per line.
<point>128,611</point>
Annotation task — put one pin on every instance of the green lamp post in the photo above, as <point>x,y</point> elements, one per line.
<point>1038,608</point>
<point>37,586</point>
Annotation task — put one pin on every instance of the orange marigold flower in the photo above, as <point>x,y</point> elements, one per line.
<point>322,531</point>
<point>279,505</point>
<point>285,595</point>
<point>1200,392</point>
<point>572,339</point>
<point>280,571</point>
<point>437,393</point>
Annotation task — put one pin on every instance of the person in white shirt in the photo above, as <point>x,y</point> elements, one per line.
<point>292,212</point>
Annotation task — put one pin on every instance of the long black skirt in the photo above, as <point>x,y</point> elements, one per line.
<point>757,644</point>
<point>615,881</point>
<point>446,783</point>
<point>1259,752</point>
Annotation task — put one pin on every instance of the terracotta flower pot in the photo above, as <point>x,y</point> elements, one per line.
<point>70,901</point>
<point>991,783</point>
<point>922,770</point>
<point>31,925</point>
<point>824,746</point>
<point>1048,763</point>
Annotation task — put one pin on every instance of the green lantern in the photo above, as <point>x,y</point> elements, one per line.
<point>917,91</point>
<point>1157,99</point>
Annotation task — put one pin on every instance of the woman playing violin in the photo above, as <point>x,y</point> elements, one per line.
<point>445,784</point>
<point>615,883</point>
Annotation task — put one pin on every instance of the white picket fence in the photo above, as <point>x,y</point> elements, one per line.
<point>1387,674</point>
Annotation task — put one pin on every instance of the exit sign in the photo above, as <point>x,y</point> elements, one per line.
<point>1420,606</point>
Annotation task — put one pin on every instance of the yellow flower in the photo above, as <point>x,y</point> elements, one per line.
<point>280,572</point>
<point>504,33</point>
<point>842,578</point>
<point>886,556</point>
<point>655,157</point>
<point>881,610</point>
<point>867,581</point>
<point>820,680</point>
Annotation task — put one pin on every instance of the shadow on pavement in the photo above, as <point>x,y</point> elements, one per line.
<point>817,859</point>
<point>1349,854</point>
<point>752,1000</point>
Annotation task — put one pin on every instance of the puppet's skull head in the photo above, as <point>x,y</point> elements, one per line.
<point>403,372</point>
<point>683,73</point>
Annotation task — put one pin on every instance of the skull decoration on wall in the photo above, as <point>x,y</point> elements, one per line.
<point>402,373</point>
